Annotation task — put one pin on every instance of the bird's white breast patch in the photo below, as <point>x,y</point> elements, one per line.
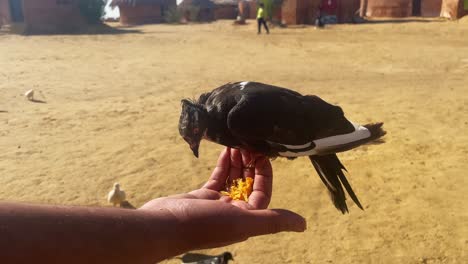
<point>242,85</point>
<point>316,146</point>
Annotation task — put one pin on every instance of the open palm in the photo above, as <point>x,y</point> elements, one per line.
<point>210,219</point>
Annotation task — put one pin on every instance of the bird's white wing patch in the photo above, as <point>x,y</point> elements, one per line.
<point>306,145</point>
<point>327,143</point>
<point>242,85</point>
<point>291,154</point>
<point>359,133</point>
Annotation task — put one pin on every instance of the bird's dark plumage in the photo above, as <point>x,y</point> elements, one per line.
<point>275,121</point>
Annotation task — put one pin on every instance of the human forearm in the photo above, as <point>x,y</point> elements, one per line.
<point>59,234</point>
<point>160,229</point>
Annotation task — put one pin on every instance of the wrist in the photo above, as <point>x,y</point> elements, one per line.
<point>165,234</point>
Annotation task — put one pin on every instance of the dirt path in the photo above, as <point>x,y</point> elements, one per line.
<point>113,105</point>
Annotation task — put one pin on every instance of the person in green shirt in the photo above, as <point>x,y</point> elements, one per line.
<point>261,19</point>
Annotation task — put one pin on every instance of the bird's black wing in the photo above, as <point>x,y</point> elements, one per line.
<point>266,114</point>
<point>275,122</point>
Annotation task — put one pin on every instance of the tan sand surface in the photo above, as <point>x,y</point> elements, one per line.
<point>113,104</point>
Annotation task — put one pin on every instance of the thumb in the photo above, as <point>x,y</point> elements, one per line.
<point>264,222</point>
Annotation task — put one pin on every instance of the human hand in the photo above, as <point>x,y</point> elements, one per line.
<point>208,219</point>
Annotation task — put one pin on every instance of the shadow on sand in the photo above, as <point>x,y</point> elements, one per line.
<point>357,21</point>
<point>399,21</point>
<point>37,101</point>
<point>127,205</point>
<point>99,29</point>
<point>104,29</point>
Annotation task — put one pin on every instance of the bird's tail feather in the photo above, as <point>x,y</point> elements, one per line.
<point>330,170</point>
<point>376,132</point>
<point>367,134</point>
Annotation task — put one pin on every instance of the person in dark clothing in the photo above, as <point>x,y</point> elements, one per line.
<point>261,19</point>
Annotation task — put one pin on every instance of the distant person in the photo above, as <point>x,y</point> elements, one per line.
<point>261,19</point>
<point>329,11</point>
<point>318,21</point>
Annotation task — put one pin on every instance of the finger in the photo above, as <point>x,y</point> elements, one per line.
<point>220,173</point>
<point>264,222</point>
<point>241,204</point>
<point>235,170</point>
<point>225,199</point>
<point>183,196</point>
<point>263,184</point>
<point>206,194</point>
<point>247,161</point>
<point>246,157</point>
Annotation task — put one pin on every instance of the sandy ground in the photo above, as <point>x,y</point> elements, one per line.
<point>113,104</point>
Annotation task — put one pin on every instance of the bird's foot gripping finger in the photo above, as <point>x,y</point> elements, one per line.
<point>253,159</point>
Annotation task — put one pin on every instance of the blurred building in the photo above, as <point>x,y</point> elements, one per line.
<point>406,8</point>
<point>306,11</point>
<point>134,12</point>
<point>43,16</point>
<point>226,9</point>
<point>293,12</point>
<point>198,10</point>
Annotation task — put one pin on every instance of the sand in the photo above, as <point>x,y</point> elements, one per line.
<point>113,104</point>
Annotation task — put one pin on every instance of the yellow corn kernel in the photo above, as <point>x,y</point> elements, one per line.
<point>240,189</point>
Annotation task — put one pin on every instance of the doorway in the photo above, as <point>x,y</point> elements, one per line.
<point>416,8</point>
<point>16,10</point>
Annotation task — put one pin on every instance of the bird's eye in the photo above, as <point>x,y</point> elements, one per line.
<point>196,130</point>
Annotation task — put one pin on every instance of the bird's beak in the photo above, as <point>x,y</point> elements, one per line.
<point>195,149</point>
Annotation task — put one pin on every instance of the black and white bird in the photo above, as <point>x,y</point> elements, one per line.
<point>278,122</point>
<point>194,258</point>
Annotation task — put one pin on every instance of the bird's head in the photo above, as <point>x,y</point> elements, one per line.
<point>116,186</point>
<point>227,256</point>
<point>193,123</point>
